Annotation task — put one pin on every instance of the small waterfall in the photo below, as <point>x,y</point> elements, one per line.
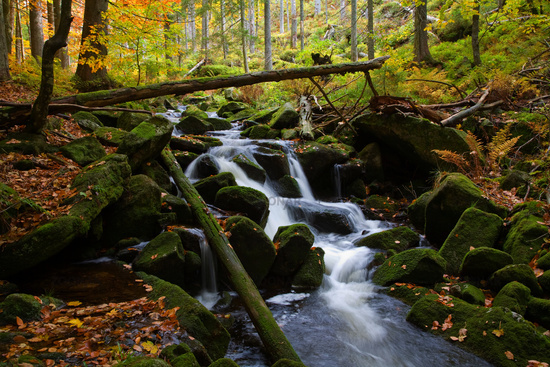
<point>209,288</point>
<point>338,181</point>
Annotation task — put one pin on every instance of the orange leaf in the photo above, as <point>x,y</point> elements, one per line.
<point>154,256</point>
<point>509,355</point>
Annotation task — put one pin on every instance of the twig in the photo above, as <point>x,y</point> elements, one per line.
<point>454,119</point>
<point>326,98</point>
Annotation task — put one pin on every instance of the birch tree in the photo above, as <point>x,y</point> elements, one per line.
<point>268,61</point>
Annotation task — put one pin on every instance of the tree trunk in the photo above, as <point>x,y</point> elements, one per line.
<point>40,107</point>
<point>293,24</point>
<point>91,73</point>
<point>251,26</point>
<point>317,7</point>
<point>306,130</point>
<point>19,47</point>
<point>7,19</point>
<point>302,18</point>
<point>192,29</point>
<point>222,29</point>
<point>4,60</point>
<point>475,36</point>
<point>281,16</point>
<point>267,37</point>
<point>342,11</point>
<point>50,18</point>
<point>35,28</point>
<point>62,54</point>
<point>370,29</point>
<point>205,30</point>
<point>353,38</point>
<point>421,50</point>
<point>243,35</point>
<point>275,342</point>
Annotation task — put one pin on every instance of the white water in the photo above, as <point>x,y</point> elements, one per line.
<point>209,287</point>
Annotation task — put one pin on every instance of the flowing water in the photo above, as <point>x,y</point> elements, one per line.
<point>346,322</point>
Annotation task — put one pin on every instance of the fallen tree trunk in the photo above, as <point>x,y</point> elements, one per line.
<point>275,342</point>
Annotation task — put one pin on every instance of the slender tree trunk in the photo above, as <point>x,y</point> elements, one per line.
<point>293,24</point>
<point>326,11</point>
<point>267,37</point>
<point>19,47</point>
<point>91,72</point>
<point>222,29</point>
<point>62,54</point>
<point>281,16</point>
<point>204,39</point>
<point>317,7</point>
<point>421,50</point>
<point>192,26</point>
<point>353,38</point>
<point>251,26</point>
<point>4,60</point>
<point>7,19</point>
<point>50,18</point>
<point>370,28</point>
<point>243,34</point>
<point>168,37</point>
<point>342,11</point>
<point>35,27</point>
<point>475,36</point>
<point>302,25</point>
<point>40,107</point>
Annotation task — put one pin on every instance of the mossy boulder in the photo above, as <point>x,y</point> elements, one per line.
<point>525,237</point>
<point>399,239</point>
<point>156,172</point>
<point>136,214</point>
<point>24,306</point>
<point>179,206</point>
<point>513,296</point>
<point>219,123</point>
<point>110,136</point>
<point>447,203</point>
<point>231,108</point>
<point>293,244</point>
<point>146,141</point>
<point>417,211</point>
<point>224,362</point>
<point>107,118</point>
<point>251,169</point>
<point>274,162</point>
<point>193,110</point>
<point>288,187</point>
<point>418,266</point>
<point>515,272</point>
<point>185,158</point>
<point>194,125</point>
<point>544,281</point>
<point>311,272</point>
<point>261,132</point>
<point>135,361</point>
<point>323,218</point>
<point>286,117</point>
<point>481,262</point>
<point>25,143</point>
<point>84,150</point>
<point>475,228</point>
<point>371,155</point>
<point>538,310</point>
<point>471,294</point>
<point>208,187</point>
<point>518,336</point>
<point>248,201</point>
<point>188,144</point>
<point>130,120</point>
<point>163,257</point>
<point>87,121</point>
<point>264,116</point>
<point>253,247</point>
<point>544,261</point>
<point>192,315</point>
<point>515,179</point>
<point>284,362</point>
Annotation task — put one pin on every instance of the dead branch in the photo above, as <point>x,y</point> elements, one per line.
<point>456,118</point>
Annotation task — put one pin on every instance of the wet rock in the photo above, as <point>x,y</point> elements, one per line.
<point>475,228</point>
<point>185,158</point>
<point>192,315</point>
<point>219,123</point>
<point>206,166</point>
<point>310,275</point>
<point>482,262</point>
<point>251,169</point>
<point>130,120</point>
<point>284,362</point>
<point>248,201</point>
<point>538,310</point>
<point>110,136</point>
<point>87,121</point>
<point>418,266</point>
<point>208,187</point>
<point>194,125</point>
<point>399,239</point>
<point>224,362</point>
<point>177,205</point>
<point>84,150</point>
<point>288,187</point>
<point>293,244</point>
<point>286,117</point>
<point>513,296</point>
<point>163,257</point>
<point>189,144</point>
<point>515,272</point>
<point>231,108</point>
<point>323,219</point>
<point>525,237</point>
<point>261,132</point>
<point>24,306</point>
<point>417,211</point>
<point>448,201</point>
<point>194,111</point>
<point>146,141</point>
<point>253,247</point>
<point>274,162</point>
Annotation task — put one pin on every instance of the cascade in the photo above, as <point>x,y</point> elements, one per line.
<point>209,288</point>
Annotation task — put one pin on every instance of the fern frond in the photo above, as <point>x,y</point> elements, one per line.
<point>500,151</point>
<point>454,158</point>
<point>476,154</point>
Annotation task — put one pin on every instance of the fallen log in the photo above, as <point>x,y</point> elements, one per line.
<point>275,342</point>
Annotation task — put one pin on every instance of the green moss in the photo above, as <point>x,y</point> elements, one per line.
<point>24,306</point>
<point>223,362</point>
<point>251,169</point>
<point>538,310</point>
<point>208,187</point>
<point>515,272</point>
<point>246,200</point>
<point>525,237</point>
<point>310,274</point>
<point>417,210</point>
<point>399,238</point>
<point>293,243</point>
<point>481,262</point>
<point>513,296</point>
<point>406,293</point>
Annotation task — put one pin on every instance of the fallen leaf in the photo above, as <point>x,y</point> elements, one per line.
<point>498,332</point>
<point>74,303</point>
<point>509,355</point>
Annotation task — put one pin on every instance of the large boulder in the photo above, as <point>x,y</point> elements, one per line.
<point>310,275</point>
<point>21,305</point>
<point>261,132</point>
<point>516,272</point>
<point>398,239</point>
<point>200,323</point>
<point>189,144</point>
<point>206,165</point>
<point>84,150</point>
<point>538,310</point>
<point>285,118</point>
<point>447,203</point>
<point>208,187</point>
<point>110,136</point>
<point>417,211</point>
<point>513,296</point>
<point>87,121</point>
<point>288,187</point>
<point>293,244</point>
<point>482,262</point>
<point>253,247</point>
<point>324,219</point>
<point>418,266</point>
<point>130,120</point>
<point>146,141</point>
<point>26,143</point>
<point>544,281</point>
<point>245,200</point>
<point>274,162</point>
<point>251,169</point>
<point>194,125</point>
<point>475,228</point>
<point>155,171</point>
<point>231,108</point>
<point>525,238</point>
<point>163,257</point>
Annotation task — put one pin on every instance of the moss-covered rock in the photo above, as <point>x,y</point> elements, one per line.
<point>481,262</point>
<point>134,361</point>
<point>513,296</point>
<point>285,118</point>
<point>25,143</point>
<point>253,247</point>
<point>206,165</point>
<point>185,158</point>
<point>475,228</point>
<point>417,211</point>
<point>472,294</point>
<point>231,108</point>
<point>193,110</point>
<point>525,237</point>
<point>251,169</point>
<point>274,162</point>
<point>193,125</point>
<point>87,121</point>
<point>538,310</point>
<point>84,150</point>
<point>224,362</point>
<point>284,362</point>
<point>515,179</point>
<point>154,170</point>
<point>208,187</point>
<point>163,257</point>
<point>544,261</point>
<point>248,201</point>
<point>110,136</point>
<point>544,281</point>
<point>189,144</point>
<point>261,132</point>
<point>21,305</point>
<point>192,315</point>
<point>515,272</point>
<point>447,203</point>
<point>219,124</point>
<point>418,266</point>
<point>129,120</point>
<point>371,155</point>
<point>264,116</point>
<point>290,134</point>
<point>399,239</point>
<point>517,336</point>
<point>288,187</point>
<point>173,204</point>
<point>310,275</point>
<point>293,244</point>
<point>324,219</point>
<point>107,118</point>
